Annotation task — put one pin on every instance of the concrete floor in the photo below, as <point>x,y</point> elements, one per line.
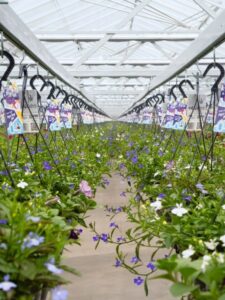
<point>99,279</point>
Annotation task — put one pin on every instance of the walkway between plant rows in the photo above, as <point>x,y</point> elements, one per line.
<point>100,280</point>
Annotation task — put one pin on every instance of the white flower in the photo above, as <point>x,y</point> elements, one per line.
<point>22,184</point>
<point>98,155</point>
<point>211,245</point>
<point>205,262</point>
<point>222,239</point>
<point>156,205</point>
<point>3,246</point>
<point>223,206</point>
<point>157,173</point>
<point>219,257</point>
<point>188,252</point>
<point>188,167</point>
<point>199,206</point>
<point>179,210</point>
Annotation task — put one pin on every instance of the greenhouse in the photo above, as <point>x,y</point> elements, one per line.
<point>112,149</point>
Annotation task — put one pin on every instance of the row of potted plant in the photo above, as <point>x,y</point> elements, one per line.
<point>177,203</point>
<point>47,186</point>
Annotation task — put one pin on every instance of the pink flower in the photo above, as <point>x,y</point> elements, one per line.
<point>86,189</point>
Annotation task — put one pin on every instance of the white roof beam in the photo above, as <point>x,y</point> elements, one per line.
<point>113,92</point>
<point>206,8</point>
<point>162,51</point>
<point>128,54</point>
<point>119,36</point>
<point>96,62</point>
<point>133,73</point>
<point>106,38</point>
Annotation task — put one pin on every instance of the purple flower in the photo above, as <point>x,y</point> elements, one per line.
<point>95,238</point>
<point>138,281</point>
<point>86,189</point>
<point>161,196</point>
<point>121,166</point>
<point>160,153</point>
<point>187,198</point>
<point>120,239</point>
<point>3,222</point>
<point>59,294</point>
<point>71,186</point>
<point>105,181</point>
<point>151,266</point>
<point>74,235</point>
<point>141,166</point>
<point>47,166</point>
<point>113,224</point>
<point>137,197</point>
<point>128,154</point>
<point>134,260</point>
<point>6,187</point>
<point>4,173</point>
<point>204,158</point>
<point>170,165</point>
<point>134,159</point>
<point>119,209</point>
<point>123,194</point>
<point>104,237</point>
<point>118,263</point>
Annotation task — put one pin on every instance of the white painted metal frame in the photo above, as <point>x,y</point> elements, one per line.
<point>23,37</point>
<point>207,40</point>
<point>118,36</point>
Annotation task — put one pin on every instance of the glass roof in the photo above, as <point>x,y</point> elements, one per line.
<point>112,47</point>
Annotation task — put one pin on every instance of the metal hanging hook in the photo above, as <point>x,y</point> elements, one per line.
<point>185,81</point>
<point>220,77</point>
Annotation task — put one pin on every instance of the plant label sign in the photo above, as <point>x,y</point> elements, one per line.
<point>66,116</point>
<point>53,116</point>
<point>220,115</point>
<point>12,110</point>
<point>31,121</point>
<point>147,117</point>
<point>169,118</point>
<point>180,116</point>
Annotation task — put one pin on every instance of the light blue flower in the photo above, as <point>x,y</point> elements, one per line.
<point>33,219</point>
<point>52,267</point>
<point>32,240</point>
<point>59,294</point>
<point>7,285</point>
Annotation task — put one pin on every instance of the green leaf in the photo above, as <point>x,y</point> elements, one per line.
<point>146,286</point>
<point>180,289</point>
<point>222,297</point>
<point>28,270</point>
